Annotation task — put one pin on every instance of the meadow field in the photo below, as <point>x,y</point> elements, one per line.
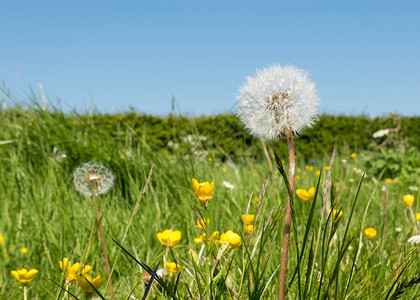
<point>45,219</point>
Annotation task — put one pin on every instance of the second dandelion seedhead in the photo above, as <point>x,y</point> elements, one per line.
<point>90,178</point>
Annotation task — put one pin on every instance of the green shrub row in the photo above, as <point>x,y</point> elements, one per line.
<point>223,134</point>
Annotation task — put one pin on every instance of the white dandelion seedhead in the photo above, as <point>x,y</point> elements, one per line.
<point>278,99</point>
<point>90,177</point>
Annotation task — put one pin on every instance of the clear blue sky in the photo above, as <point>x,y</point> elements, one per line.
<point>363,55</point>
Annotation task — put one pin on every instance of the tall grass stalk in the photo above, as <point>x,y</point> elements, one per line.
<point>136,207</point>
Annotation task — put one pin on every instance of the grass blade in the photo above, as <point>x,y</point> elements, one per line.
<point>149,285</point>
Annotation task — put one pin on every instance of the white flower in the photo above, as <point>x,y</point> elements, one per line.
<point>228,185</point>
<point>278,99</point>
<point>413,188</point>
<point>161,272</point>
<point>172,144</point>
<point>59,155</point>
<point>91,177</point>
<point>414,239</point>
<point>381,133</point>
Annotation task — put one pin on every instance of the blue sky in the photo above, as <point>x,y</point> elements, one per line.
<point>363,55</point>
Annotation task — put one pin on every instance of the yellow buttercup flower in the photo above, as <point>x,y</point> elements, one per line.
<point>1,239</point>
<point>307,167</point>
<point>232,238</point>
<point>370,233</point>
<point>298,170</point>
<point>24,250</point>
<point>198,225</point>
<point>297,177</point>
<point>215,236</point>
<point>24,276</point>
<point>97,282</point>
<point>172,268</point>
<point>305,195</point>
<point>73,270</point>
<point>336,214</point>
<point>408,200</point>
<point>224,169</point>
<point>311,168</point>
<point>317,173</point>
<point>203,190</point>
<point>169,237</point>
<point>210,159</point>
<point>256,199</point>
<point>327,168</point>
<point>389,180</point>
<point>248,219</point>
<point>249,228</point>
<point>353,155</point>
<point>201,239</point>
<point>417,216</point>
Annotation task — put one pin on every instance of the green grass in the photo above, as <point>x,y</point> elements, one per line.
<point>41,210</point>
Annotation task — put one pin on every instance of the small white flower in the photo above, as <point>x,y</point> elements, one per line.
<point>414,239</point>
<point>59,156</point>
<point>161,272</point>
<point>90,177</point>
<point>398,229</point>
<point>278,99</point>
<point>381,133</point>
<point>358,171</point>
<point>413,188</point>
<point>172,144</point>
<point>228,185</point>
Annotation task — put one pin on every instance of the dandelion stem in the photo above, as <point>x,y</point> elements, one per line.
<point>98,221</point>
<point>287,220</point>
<point>24,293</point>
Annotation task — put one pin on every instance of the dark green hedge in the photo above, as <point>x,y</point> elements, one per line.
<point>347,133</point>
<point>224,132</point>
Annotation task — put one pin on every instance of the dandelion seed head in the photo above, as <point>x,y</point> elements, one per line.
<point>278,99</point>
<point>90,177</point>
